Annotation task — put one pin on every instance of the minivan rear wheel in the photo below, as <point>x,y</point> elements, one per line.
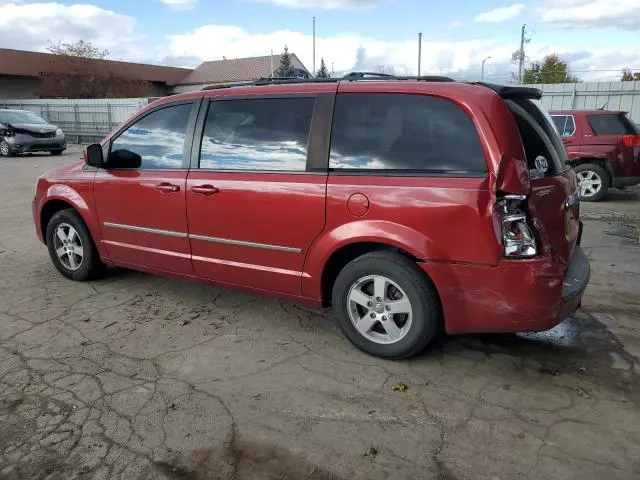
<point>385,305</point>
<point>593,182</point>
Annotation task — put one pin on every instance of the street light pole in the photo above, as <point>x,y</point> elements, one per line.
<point>419,52</point>
<point>483,61</point>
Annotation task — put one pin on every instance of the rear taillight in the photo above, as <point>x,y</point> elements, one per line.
<point>517,235</point>
<point>631,140</point>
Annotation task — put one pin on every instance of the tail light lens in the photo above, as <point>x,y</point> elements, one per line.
<point>517,236</point>
<point>631,140</point>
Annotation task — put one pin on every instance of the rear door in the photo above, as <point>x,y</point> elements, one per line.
<point>568,130</point>
<point>554,192</point>
<point>255,201</point>
<point>609,131</point>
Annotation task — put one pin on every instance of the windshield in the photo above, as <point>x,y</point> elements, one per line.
<point>8,116</point>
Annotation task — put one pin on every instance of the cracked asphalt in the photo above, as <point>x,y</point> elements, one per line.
<point>143,377</point>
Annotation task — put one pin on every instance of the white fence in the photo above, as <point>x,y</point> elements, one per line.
<point>581,96</point>
<point>82,120</point>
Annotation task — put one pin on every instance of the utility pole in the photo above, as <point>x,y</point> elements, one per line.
<point>521,55</point>
<point>314,46</point>
<point>271,75</point>
<point>419,52</point>
<point>332,69</point>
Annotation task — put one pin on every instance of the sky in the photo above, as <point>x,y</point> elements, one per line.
<point>598,38</point>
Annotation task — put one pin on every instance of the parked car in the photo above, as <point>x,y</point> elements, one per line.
<point>22,131</point>
<point>408,206</point>
<point>603,147</point>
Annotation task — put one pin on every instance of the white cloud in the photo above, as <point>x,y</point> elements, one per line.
<point>455,24</point>
<point>31,26</point>
<point>593,13</point>
<point>500,14</point>
<point>322,4</point>
<point>180,4</point>
<point>347,51</point>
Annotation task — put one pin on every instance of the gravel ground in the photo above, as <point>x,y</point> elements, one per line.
<point>143,377</point>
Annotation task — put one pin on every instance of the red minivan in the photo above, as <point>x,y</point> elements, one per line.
<point>410,206</point>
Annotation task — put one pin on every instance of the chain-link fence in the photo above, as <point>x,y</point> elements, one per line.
<point>83,121</point>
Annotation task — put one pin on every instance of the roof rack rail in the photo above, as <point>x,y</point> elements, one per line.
<point>350,77</point>
<point>387,76</point>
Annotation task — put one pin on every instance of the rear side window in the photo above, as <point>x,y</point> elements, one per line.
<point>404,133</point>
<point>546,155</point>
<point>608,124</point>
<point>257,134</point>
<point>564,124</point>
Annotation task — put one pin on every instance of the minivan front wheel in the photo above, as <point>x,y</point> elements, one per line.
<point>385,305</point>
<point>593,182</point>
<point>71,247</point>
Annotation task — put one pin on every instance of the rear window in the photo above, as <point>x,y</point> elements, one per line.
<point>404,133</point>
<point>608,124</point>
<point>546,156</point>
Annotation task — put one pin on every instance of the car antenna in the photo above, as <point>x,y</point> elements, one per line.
<point>604,106</point>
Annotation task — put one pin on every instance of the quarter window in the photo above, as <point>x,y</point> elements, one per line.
<point>159,138</point>
<point>404,133</point>
<point>257,134</point>
<point>564,124</point>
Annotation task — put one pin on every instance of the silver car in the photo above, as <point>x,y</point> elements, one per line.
<point>22,131</point>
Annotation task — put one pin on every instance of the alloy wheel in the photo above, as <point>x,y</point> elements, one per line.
<point>379,309</point>
<point>590,183</point>
<point>68,246</point>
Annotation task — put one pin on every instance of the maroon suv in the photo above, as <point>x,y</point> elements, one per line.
<point>408,205</point>
<point>603,147</point>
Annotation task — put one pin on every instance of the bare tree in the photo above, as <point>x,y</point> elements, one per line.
<point>79,70</point>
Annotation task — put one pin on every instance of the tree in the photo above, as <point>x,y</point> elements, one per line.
<point>550,70</point>
<point>629,76</point>
<point>322,71</point>
<point>385,69</point>
<point>79,70</point>
<point>286,69</point>
<point>80,49</point>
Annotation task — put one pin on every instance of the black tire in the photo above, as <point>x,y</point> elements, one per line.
<point>426,312</point>
<point>5,150</point>
<point>600,172</point>
<point>91,265</point>
<point>55,152</point>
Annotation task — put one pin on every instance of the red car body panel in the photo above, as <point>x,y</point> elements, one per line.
<point>448,225</point>
<point>622,162</point>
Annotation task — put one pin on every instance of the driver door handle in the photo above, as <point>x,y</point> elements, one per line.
<point>165,187</point>
<point>204,189</point>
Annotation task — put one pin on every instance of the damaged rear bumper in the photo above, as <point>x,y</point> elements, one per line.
<point>514,296</point>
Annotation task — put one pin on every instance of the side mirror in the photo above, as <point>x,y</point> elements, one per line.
<point>123,158</point>
<point>93,155</point>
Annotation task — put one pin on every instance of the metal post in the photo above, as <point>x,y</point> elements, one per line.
<point>314,46</point>
<point>521,55</point>
<point>109,116</point>
<point>419,52</point>
<point>271,63</point>
<point>76,117</point>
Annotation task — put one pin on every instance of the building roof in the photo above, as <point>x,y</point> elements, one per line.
<point>237,69</point>
<point>31,64</point>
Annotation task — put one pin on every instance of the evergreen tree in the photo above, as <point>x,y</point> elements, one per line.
<point>286,69</point>
<point>323,72</point>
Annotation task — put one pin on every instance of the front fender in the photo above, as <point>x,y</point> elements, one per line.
<point>378,231</point>
<point>81,199</point>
